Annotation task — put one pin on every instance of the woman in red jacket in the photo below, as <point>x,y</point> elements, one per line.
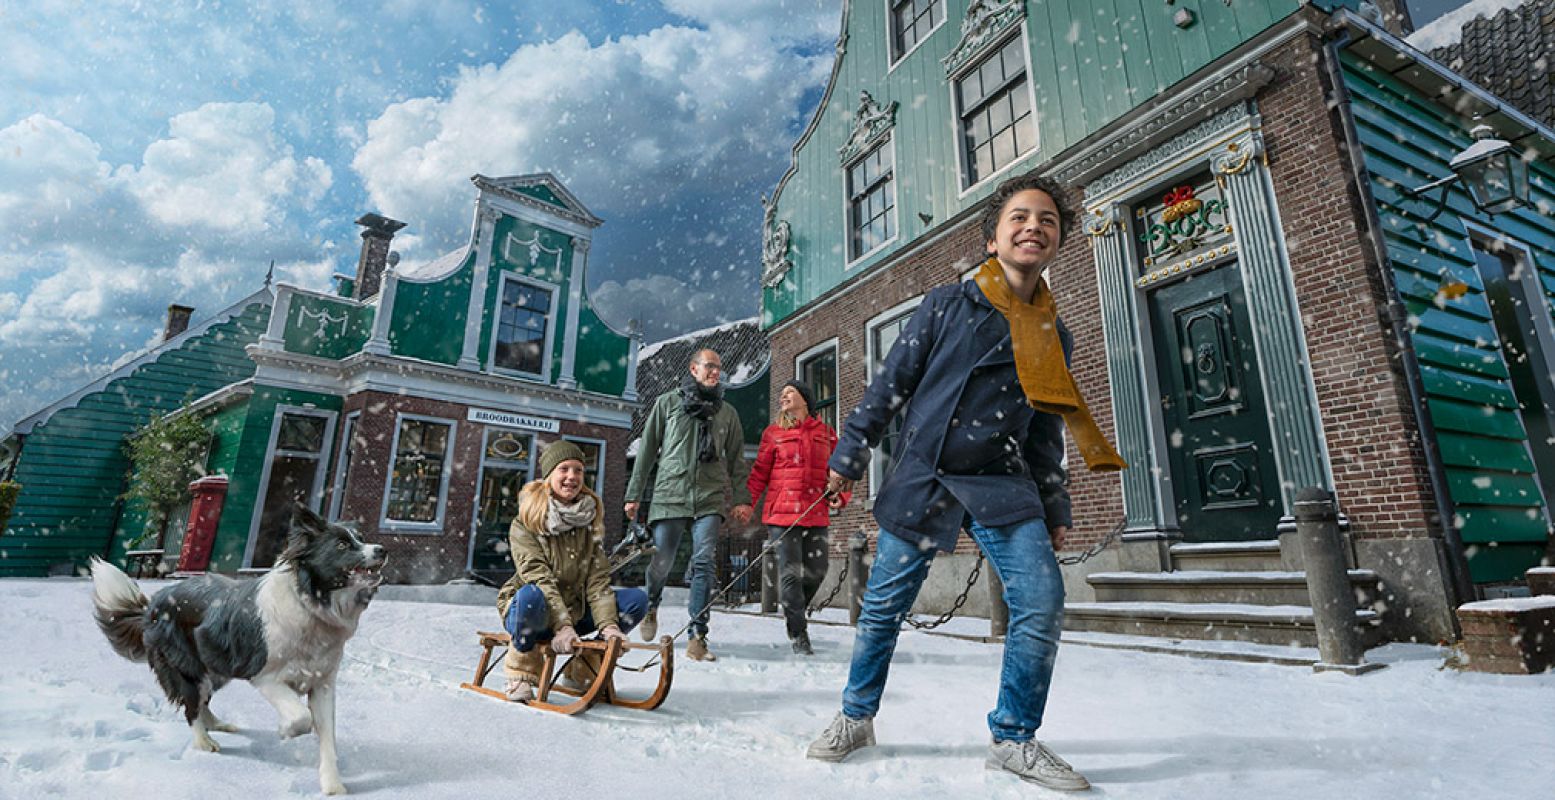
<point>791,466</point>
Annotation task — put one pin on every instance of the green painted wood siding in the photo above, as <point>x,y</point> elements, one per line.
<point>326,327</point>
<point>602,355</point>
<point>1091,61</point>
<point>1408,140</point>
<point>428,318</point>
<point>73,466</point>
<point>248,464</point>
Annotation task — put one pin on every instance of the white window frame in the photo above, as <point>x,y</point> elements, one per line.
<point>847,207</point>
<point>812,352</point>
<point>905,307</point>
<point>316,494</point>
<point>963,169</point>
<point>600,489</point>
<point>386,525</point>
<point>892,58</point>
<point>342,455</point>
<point>550,327</point>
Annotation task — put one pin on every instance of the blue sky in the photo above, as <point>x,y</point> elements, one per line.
<point>161,153</point>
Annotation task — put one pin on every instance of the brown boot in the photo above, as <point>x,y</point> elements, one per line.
<point>650,625</point>
<point>579,673</point>
<point>696,649</point>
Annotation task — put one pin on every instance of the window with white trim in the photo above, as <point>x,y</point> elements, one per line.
<point>871,200</point>
<point>418,480</point>
<point>593,462</point>
<point>343,466</point>
<point>882,333</point>
<point>911,22</point>
<point>817,369</point>
<point>523,324</point>
<point>993,104</point>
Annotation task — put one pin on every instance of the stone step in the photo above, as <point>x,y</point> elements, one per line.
<point>1235,556</point>
<point>1266,587</point>
<point>1278,625</point>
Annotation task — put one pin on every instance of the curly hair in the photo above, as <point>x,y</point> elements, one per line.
<point>1061,194</point>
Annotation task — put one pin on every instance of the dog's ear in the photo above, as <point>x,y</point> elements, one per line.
<point>306,522</point>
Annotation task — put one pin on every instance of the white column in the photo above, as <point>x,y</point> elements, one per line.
<point>378,343</point>
<point>469,358</point>
<point>274,337</point>
<point>630,392</point>
<point>580,258</point>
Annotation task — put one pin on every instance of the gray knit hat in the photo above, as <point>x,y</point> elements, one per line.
<point>557,452</point>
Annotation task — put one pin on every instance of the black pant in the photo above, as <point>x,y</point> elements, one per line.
<point>801,558</point>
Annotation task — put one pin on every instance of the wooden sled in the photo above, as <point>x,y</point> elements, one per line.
<point>600,690</point>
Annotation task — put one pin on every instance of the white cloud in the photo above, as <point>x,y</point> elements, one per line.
<point>627,123</point>
<point>47,169</point>
<point>223,167</point>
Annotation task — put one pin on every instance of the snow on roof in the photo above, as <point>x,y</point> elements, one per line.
<point>436,269</point>
<point>1448,28</point>
<point>648,350</point>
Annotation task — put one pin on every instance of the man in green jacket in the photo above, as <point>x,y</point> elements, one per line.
<point>692,445</point>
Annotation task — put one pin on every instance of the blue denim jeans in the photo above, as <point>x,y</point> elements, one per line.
<point>700,573</point>
<point>528,619</point>
<point>1022,555</point>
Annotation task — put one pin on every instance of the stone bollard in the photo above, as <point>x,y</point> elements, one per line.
<point>998,612</point>
<point>858,573</point>
<point>1328,584</point>
<point>769,581</point>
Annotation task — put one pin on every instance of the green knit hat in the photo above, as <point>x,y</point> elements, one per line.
<point>557,452</point>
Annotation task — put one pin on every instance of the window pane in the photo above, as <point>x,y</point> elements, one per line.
<point>820,374</point>
<point>418,471</point>
<point>521,327</point>
<point>300,432</point>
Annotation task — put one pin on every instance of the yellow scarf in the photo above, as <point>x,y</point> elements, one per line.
<point>1039,362</point>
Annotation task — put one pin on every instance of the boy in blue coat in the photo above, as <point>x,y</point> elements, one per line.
<point>981,377</point>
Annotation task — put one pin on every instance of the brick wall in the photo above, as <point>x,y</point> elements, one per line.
<point>441,556</point>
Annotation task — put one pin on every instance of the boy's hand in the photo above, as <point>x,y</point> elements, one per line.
<point>1058,535</point>
<point>837,483</point>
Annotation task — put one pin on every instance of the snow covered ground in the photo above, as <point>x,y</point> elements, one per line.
<point>78,721</point>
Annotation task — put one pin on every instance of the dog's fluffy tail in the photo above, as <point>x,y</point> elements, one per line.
<point>120,610</point>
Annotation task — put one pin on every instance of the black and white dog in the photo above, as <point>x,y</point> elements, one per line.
<point>285,633</point>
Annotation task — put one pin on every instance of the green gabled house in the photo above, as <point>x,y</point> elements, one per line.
<point>411,403</point>
<point>70,458</point>
<point>1263,293</point>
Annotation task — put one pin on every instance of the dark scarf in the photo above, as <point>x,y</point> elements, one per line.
<point>701,403</point>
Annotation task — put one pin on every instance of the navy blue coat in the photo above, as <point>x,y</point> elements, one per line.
<point>970,446</point>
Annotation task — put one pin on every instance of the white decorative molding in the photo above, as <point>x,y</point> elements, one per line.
<point>1101,221</point>
<point>532,244</point>
<point>870,122</point>
<point>508,188</point>
<point>475,311</point>
<point>1233,157</point>
<point>775,263</point>
<point>1173,150</point>
<point>378,343</point>
<point>984,22</point>
<point>580,258</point>
<point>325,320</point>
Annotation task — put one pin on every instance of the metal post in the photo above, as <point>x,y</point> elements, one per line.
<point>769,581</point>
<point>998,612</point>
<point>1328,584</point>
<point>858,574</point>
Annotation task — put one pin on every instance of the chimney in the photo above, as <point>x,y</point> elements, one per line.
<point>376,234</point>
<point>177,321</point>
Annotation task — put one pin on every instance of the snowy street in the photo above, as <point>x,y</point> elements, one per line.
<point>81,722</point>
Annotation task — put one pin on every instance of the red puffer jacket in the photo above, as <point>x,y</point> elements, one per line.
<point>791,466</point>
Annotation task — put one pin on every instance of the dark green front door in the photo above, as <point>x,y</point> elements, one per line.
<point>1223,476</point>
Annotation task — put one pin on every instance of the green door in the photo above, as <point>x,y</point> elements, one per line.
<point>1225,482</point>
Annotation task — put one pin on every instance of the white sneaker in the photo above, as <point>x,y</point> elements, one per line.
<point>842,737</point>
<point>1034,762</point>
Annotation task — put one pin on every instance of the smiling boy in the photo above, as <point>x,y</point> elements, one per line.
<point>980,375</point>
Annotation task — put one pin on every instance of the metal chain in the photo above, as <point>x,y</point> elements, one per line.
<point>1095,549</point>
<point>960,601</point>
<point>842,578</point>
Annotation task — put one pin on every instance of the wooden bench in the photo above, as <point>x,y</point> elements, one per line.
<point>142,560</point>
<point>600,690</point>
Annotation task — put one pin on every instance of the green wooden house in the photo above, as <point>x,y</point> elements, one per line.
<point>1261,299</point>
<point>412,403</point>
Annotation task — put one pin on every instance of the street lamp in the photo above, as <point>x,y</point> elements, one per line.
<point>1490,168</point>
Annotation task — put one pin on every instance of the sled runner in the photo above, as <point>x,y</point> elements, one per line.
<point>599,690</point>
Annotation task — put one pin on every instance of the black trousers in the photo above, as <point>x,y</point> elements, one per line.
<point>801,558</point>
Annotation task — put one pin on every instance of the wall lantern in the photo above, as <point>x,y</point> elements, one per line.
<point>1495,175</point>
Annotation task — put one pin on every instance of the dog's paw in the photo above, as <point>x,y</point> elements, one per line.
<point>297,727</point>
<point>332,785</point>
<point>206,743</point>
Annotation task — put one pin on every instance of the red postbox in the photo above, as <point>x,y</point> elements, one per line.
<point>204,513</point>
